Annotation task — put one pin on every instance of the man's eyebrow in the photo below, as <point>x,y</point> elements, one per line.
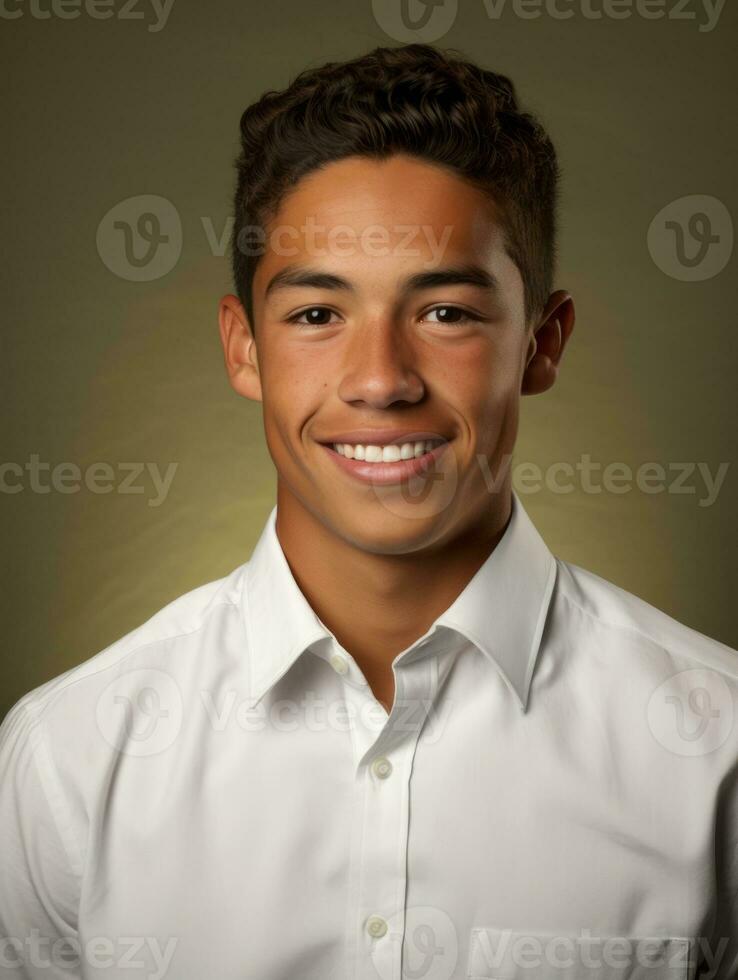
<point>301,275</point>
<point>460,275</point>
<point>469,275</point>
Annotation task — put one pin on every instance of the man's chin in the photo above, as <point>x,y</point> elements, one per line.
<point>386,526</point>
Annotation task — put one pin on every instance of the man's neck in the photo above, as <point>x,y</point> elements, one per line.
<point>377,605</point>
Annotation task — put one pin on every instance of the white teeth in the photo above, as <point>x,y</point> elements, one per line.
<point>385,454</point>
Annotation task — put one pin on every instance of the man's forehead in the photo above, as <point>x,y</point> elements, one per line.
<point>387,197</point>
<point>356,219</point>
<point>388,248</point>
<point>355,263</point>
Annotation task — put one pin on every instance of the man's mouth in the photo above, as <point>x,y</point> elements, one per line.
<point>383,457</point>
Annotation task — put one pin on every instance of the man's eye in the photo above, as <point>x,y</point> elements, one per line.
<point>320,316</point>
<point>313,316</point>
<point>449,314</point>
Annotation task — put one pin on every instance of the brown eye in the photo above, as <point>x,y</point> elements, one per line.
<point>313,316</point>
<point>449,314</point>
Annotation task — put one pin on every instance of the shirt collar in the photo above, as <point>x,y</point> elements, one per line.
<point>501,611</point>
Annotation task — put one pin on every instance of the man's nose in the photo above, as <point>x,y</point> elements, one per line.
<point>380,368</point>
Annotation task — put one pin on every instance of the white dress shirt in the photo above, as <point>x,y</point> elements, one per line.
<point>219,796</point>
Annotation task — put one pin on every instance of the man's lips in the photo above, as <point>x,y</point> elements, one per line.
<point>385,473</point>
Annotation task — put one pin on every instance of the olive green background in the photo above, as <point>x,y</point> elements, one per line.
<point>100,368</point>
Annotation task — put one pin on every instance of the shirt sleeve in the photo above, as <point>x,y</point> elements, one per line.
<point>719,960</point>
<point>39,883</point>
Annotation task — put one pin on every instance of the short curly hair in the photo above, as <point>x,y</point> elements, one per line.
<point>414,99</point>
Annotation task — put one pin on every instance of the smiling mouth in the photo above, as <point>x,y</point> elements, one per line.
<point>388,462</point>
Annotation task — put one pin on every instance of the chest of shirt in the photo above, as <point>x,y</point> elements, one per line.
<point>318,838</point>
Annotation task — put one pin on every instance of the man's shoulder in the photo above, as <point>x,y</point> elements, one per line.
<point>634,624</point>
<point>161,642</point>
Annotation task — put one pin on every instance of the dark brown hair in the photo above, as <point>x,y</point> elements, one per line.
<point>417,100</point>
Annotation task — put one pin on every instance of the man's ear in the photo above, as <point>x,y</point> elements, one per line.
<point>239,348</point>
<point>547,344</point>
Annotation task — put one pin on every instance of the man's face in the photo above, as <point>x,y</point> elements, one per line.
<point>379,353</point>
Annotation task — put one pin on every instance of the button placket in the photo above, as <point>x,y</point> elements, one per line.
<point>383,778</point>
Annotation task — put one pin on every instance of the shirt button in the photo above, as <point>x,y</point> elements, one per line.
<point>381,767</point>
<point>339,664</point>
<point>376,926</point>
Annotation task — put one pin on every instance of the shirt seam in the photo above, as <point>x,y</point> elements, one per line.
<point>626,628</point>
<point>54,796</point>
<point>35,711</point>
<point>43,703</point>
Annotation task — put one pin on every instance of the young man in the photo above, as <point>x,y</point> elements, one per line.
<point>403,740</point>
